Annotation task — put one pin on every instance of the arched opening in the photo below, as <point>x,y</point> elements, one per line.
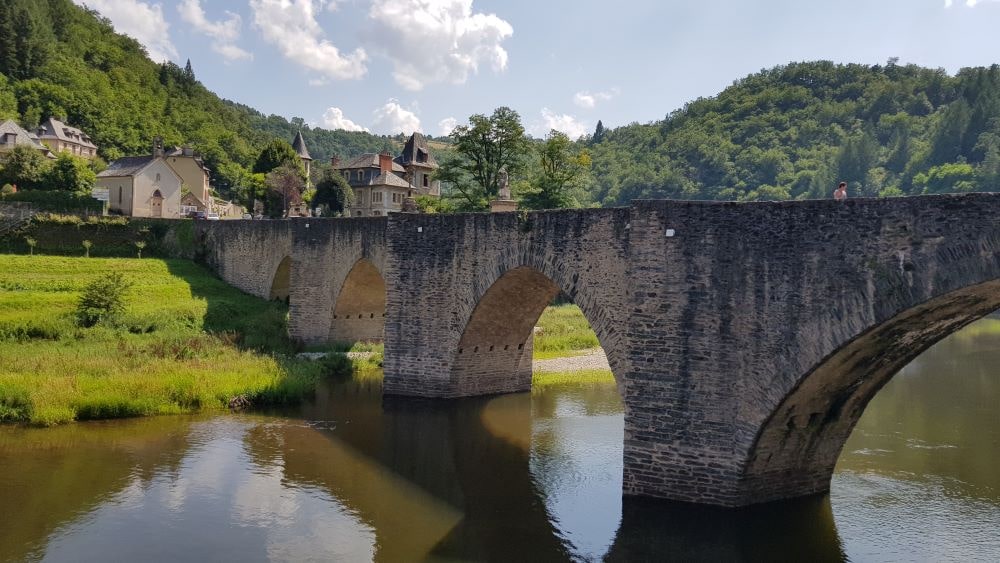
<point>495,352</point>
<point>359,308</point>
<point>796,450</point>
<point>281,284</point>
<point>156,203</point>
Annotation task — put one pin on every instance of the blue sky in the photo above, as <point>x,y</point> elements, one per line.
<point>391,66</point>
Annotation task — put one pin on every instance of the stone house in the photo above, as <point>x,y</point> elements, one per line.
<point>13,135</point>
<point>382,183</point>
<point>61,137</point>
<point>167,183</point>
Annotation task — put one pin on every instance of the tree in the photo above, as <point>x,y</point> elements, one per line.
<point>276,154</point>
<point>561,168</point>
<point>103,300</point>
<point>71,174</point>
<point>333,192</point>
<point>483,148</point>
<point>598,133</point>
<point>25,167</point>
<point>284,189</point>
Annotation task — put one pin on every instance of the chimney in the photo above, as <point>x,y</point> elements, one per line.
<point>187,151</point>
<point>385,162</point>
<point>334,161</point>
<point>157,147</point>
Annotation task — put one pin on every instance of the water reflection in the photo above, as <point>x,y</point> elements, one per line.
<point>530,476</point>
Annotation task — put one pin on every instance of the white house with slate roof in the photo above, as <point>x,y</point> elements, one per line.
<point>151,185</point>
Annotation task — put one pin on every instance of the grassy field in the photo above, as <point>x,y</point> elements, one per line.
<point>581,377</point>
<point>187,342</point>
<point>563,331</point>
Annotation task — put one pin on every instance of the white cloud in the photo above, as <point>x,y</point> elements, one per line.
<point>969,3</point>
<point>564,122</point>
<point>142,21</point>
<point>447,125</point>
<point>291,26</point>
<point>393,118</point>
<point>224,33</point>
<point>589,100</point>
<point>333,118</point>
<point>437,40</point>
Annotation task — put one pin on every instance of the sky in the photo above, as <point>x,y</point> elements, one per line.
<point>397,66</point>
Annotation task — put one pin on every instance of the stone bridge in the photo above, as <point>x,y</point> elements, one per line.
<point>746,338</point>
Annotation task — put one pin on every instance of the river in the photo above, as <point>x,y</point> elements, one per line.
<point>532,477</point>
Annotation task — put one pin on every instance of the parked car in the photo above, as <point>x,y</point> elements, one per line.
<point>212,216</point>
<point>247,216</point>
<point>199,215</point>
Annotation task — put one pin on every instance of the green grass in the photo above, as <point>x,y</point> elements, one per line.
<point>563,331</point>
<point>188,342</point>
<point>582,377</point>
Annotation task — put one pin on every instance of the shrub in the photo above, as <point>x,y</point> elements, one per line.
<point>103,300</point>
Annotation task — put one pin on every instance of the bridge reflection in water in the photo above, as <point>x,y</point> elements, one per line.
<point>526,476</point>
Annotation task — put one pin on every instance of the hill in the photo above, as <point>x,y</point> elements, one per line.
<point>794,131</point>
<point>59,59</point>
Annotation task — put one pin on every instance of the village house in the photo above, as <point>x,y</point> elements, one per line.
<point>167,183</point>
<point>13,135</point>
<point>62,138</point>
<point>382,183</point>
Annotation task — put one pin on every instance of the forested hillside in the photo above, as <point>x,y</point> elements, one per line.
<point>795,131</point>
<point>58,59</point>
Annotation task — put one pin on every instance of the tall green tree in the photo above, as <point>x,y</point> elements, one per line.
<point>278,153</point>
<point>561,168</point>
<point>483,148</point>
<point>333,192</point>
<point>69,173</point>
<point>24,167</point>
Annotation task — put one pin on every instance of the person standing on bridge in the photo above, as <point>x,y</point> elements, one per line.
<point>840,193</point>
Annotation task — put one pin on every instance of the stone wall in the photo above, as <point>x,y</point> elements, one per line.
<point>760,331</point>
<point>326,252</point>
<point>246,254</point>
<point>442,269</point>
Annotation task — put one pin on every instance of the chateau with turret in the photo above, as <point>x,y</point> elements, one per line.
<point>382,182</point>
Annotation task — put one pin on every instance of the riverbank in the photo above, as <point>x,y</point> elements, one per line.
<point>187,342</point>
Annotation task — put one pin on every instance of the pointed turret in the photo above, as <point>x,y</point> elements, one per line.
<point>299,144</point>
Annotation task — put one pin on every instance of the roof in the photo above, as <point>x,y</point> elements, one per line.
<point>179,152</point>
<point>389,179</point>
<point>22,137</point>
<point>53,128</point>
<point>126,166</point>
<point>299,144</point>
<point>368,160</point>
<point>416,152</point>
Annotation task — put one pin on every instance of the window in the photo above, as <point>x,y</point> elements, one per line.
<point>376,197</point>
<point>157,176</point>
<point>357,214</point>
<point>426,181</point>
<point>359,196</point>
<point>347,175</point>
<point>376,213</point>
<point>360,175</point>
<point>119,195</point>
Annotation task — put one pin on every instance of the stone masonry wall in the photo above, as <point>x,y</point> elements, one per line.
<point>441,266</point>
<point>246,254</point>
<point>325,252</point>
<point>732,315</point>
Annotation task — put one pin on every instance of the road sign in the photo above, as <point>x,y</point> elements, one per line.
<point>103,194</point>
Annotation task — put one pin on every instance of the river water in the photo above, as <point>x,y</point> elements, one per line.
<point>527,477</point>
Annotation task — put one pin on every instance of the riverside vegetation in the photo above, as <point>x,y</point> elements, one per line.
<point>180,341</point>
<point>185,342</point>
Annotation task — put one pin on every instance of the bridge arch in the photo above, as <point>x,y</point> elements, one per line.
<point>281,281</point>
<point>494,353</point>
<point>359,305</point>
<point>796,450</point>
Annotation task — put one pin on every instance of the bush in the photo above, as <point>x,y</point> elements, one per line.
<point>56,201</point>
<point>103,300</point>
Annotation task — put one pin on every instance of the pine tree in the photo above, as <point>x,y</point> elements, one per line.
<point>189,72</point>
<point>598,132</point>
